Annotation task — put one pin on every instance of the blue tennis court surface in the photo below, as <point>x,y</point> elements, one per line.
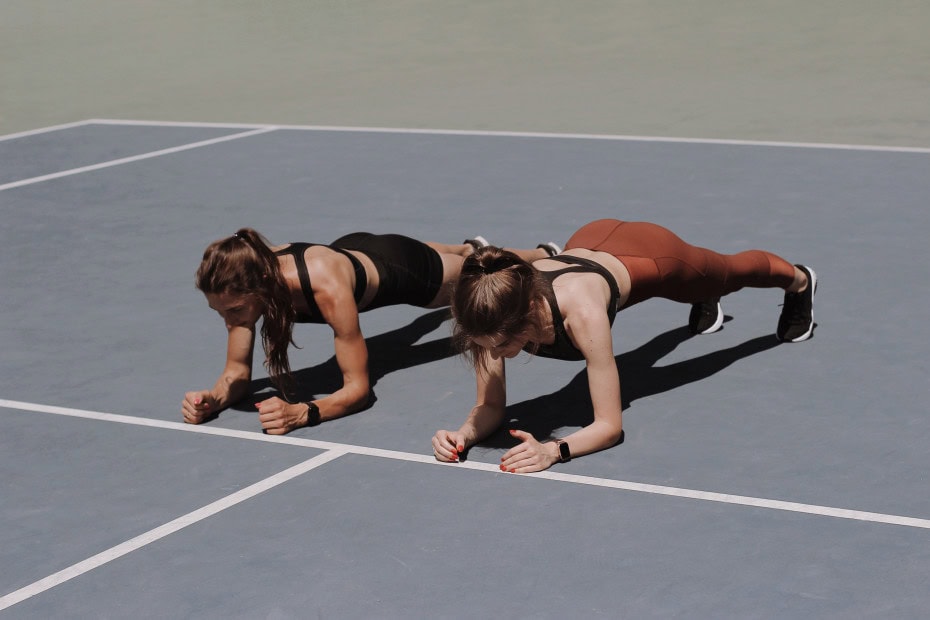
<point>756,479</point>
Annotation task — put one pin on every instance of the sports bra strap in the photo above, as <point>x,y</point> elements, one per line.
<point>577,264</point>
<point>297,251</point>
<point>562,347</point>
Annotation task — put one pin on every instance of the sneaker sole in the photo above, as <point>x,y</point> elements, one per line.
<point>810,330</point>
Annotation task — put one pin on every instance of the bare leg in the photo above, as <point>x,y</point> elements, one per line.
<point>451,268</point>
<point>530,255</point>
<point>800,282</point>
<point>457,249</point>
<point>466,249</point>
<point>453,255</point>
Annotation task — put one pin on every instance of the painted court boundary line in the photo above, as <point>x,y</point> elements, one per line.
<point>725,498</point>
<point>523,134</point>
<point>133,158</point>
<point>41,130</point>
<point>167,529</point>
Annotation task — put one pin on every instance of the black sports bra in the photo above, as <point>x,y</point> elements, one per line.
<point>297,250</point>
<point>562,348</point>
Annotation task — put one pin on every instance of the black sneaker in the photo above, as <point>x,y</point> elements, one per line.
<point>706,317</point>
<point>796,322</point>
<point>477,242</point>
<point>551,248</point>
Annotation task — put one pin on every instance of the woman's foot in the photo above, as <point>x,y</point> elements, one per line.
<point>706,317</point>
<point>796,322</point>
<point>477,242</point>
<point>551,248</point>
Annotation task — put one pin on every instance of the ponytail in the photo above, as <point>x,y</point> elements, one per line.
<point>494,296</point>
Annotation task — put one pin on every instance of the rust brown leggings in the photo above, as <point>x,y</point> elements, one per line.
<point>662,265</point>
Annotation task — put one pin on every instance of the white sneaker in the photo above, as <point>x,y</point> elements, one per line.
<point>477,242</point>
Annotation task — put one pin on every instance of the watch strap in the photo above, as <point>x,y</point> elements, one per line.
<point>313,414</point>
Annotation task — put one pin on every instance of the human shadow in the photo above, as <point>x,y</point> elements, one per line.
<point>388,352</point>
<point>639,377</point>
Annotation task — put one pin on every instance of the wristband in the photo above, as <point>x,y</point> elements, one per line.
<point>313,414</point>
<point>565,455</point>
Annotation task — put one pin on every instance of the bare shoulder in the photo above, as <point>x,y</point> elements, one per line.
<point>578,289</point>
<point>613,265</point>
<point>603,259</point>
<point>587,323</point>
<point>583,299</point>
<point>321,261</point>
<point>332,279</point>
<point>582,252</point>
<point>583,302</point>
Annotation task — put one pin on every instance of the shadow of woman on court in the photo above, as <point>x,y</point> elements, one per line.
<point>387,352</point>
<point>640,377</point>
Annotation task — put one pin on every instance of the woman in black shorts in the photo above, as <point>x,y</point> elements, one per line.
<point>244,278</point>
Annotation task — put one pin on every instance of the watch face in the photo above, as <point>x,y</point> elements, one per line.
<point>313,414</point>
<point>564,453</point>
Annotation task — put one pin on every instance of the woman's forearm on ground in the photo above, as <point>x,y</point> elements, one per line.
<point>482,421</point>
<point>234,382</point>
<point>599,435</point>
<point>491,401</point>
<point>230,388</point>
<point>348,399</point>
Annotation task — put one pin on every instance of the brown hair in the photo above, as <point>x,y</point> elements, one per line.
<point>244,264</point>
<point>494,296</point>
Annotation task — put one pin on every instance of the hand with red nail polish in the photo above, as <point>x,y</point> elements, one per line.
<point>529,455</point>
<point>198,407</point>
<point>448,446</point>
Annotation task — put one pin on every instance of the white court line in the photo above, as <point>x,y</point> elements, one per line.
<point>160,532</point>
<point>232,433</point>
<point>41,130</point>
<point>126,160</point>
<point>527,134</point>
<point>725,498</point>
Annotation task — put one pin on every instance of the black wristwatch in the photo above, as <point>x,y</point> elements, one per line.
<point>313,414</point>
<point>565,455</point>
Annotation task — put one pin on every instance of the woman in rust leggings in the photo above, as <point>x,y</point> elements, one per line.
<point>660,264</point>
<point>564,306</point>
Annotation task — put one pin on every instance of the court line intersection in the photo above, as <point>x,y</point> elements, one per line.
<point>471,132</point>
<point>623,485</point>
<point>195,516</point>
<point>332,451</point>
<point>134,158</point>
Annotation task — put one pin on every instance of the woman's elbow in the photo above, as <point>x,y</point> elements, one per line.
<point>358,396</point>
<point>612,434</point>
<point>616,435</point>
<point>237,377</point>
